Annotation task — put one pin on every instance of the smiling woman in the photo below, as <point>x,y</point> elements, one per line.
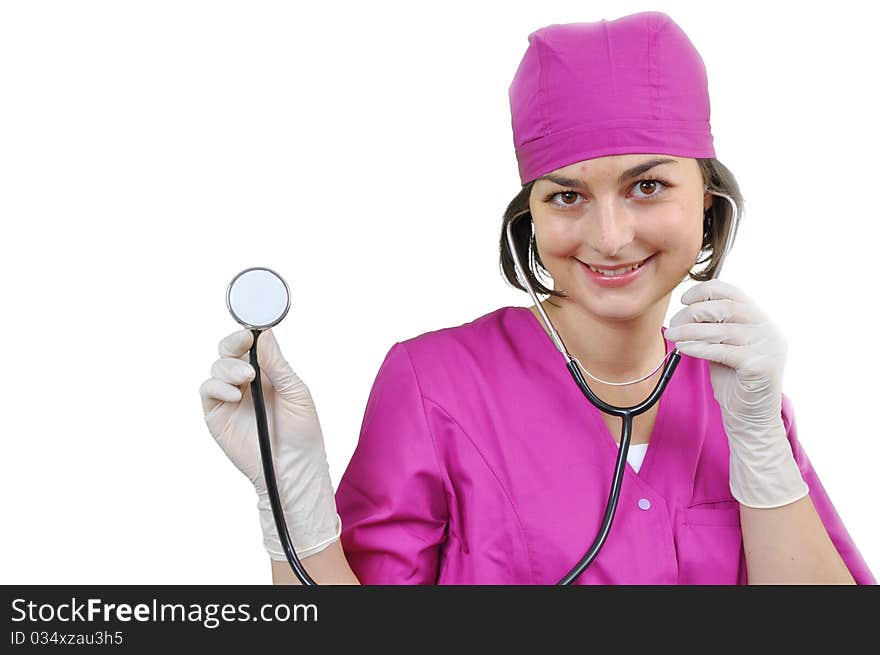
<point>478,460</point>
<point>715,221</point>
<point>611,131</point>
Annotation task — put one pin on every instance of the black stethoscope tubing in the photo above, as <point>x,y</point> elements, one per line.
<point>625,413</point>
<point>269,470</point>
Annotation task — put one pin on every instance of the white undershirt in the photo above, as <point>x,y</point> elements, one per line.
<point>636,454</point>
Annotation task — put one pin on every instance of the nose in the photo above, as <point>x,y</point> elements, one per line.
<point>609,228</point>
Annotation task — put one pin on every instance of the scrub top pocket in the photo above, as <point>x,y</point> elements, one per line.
<point>709,544</point>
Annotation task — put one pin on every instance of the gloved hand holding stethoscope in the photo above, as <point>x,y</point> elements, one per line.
<point>297,444</point>
<point>746,354</point>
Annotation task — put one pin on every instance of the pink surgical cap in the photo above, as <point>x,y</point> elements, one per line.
<point>631,85</point>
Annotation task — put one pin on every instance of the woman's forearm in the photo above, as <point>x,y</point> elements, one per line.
<point>328,566</point>
<point>789,545</point>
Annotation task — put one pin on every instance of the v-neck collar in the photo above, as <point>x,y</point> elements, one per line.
<point>666,400</point>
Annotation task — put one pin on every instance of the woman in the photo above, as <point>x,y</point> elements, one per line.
<point>479,462</point>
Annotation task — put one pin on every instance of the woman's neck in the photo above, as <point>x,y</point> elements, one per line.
<point>616,351</point>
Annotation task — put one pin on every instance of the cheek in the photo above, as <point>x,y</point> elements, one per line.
<point>557,238</point>
<point>680,235</point>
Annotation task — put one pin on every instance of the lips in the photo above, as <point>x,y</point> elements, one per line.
<point>625,268</point>
<point>613,281</point>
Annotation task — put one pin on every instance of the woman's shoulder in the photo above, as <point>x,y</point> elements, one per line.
<point>444,357</point>
<point>482,332</point>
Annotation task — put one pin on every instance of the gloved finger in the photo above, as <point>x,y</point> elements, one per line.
<point>734,334</point>
<point>276,367</point>
<point>713,290</point>
<point>236,344</point>
<point>715,311</point>
<point>732,356</point>
<point>752,364</point>
<point>215,392</point>
<point>232,371</point>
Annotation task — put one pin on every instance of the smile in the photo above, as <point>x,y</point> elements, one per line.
<point>617,277</point>
<point>616,271</point>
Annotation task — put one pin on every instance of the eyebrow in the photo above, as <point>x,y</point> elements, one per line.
<point>626,175</point>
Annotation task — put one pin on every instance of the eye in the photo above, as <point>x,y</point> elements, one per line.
<point>651,184</point>
<point>569,196</point>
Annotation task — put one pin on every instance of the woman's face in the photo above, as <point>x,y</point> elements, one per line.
<point>603,213</point>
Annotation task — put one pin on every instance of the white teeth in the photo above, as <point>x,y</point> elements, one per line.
<point>615,272</point>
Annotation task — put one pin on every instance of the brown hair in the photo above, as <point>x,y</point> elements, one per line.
<point>716,224</point>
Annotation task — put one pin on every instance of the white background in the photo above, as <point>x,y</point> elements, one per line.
<point>151,150</point>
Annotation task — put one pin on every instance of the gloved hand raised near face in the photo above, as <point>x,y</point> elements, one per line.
<point>301,468</point>
<point>746,354</point>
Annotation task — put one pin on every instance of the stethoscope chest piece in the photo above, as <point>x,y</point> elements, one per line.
<point>258,298</point>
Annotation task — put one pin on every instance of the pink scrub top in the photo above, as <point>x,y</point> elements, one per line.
<point>481,462</point>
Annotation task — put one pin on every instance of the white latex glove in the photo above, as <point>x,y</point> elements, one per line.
<point>301,468</point>
<point>746,354</point>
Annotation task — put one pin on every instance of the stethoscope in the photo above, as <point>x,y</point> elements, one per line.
<point>258,298</point>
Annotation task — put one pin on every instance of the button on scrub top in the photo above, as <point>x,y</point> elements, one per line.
<point>480,461</point>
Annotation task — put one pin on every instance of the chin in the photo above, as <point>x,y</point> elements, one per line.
<point>619,304</point>
<point>620,314</point>
<point>611,309</point>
